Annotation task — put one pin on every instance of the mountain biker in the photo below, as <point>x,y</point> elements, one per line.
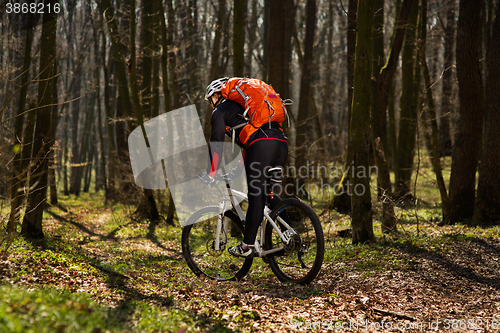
<point>266,148</point>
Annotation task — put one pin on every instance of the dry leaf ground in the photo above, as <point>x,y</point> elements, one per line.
<point>425,278</point>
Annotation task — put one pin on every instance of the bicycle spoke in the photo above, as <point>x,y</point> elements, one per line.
<point>200,251</point>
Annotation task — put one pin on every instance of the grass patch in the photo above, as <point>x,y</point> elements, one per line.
<point>26,311</point>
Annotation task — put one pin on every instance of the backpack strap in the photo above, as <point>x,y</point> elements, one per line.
<point>270,108</point>
<point>233,134</point>
<point>286,102</point>
<point>245,97</point>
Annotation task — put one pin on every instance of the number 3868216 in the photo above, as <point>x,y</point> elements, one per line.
<point>32,8</point>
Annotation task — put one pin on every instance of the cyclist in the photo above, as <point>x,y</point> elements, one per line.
<point>266,148</point>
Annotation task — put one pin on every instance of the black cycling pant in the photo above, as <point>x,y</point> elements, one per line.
<point>260,156</point>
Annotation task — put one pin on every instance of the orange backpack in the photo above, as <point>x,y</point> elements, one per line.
<point>261,102</point>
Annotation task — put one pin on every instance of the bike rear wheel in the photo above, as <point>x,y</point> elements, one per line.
<point>301,259</point>
<point>198,246</point>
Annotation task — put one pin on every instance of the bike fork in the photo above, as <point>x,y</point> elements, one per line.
<point>220,225</point>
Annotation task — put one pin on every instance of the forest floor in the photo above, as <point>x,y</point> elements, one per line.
<point>101,270</point>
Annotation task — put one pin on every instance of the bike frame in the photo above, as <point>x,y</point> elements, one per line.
<point>259,242</point>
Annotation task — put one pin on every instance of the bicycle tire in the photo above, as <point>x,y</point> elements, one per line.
<point>198,252</point>
<point>308,246</point>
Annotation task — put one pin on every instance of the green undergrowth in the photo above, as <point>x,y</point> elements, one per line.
<point>23,311</point>
<point>58,287</point>
<point>26,310</point>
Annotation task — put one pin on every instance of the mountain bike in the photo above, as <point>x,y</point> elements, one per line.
<point>290,238</point>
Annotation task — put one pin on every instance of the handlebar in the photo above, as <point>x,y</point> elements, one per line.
<point>228,177</point>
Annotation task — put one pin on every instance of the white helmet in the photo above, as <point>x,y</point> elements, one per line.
<point>215,87</point>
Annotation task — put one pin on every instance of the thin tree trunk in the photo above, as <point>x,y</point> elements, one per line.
<point>103,178</point>
<point>434,154</point>
<point>167,96</point>
<point>408,110</point>
<point>329,91</point>
<point>19,174</point>
<point>75,117</point>
<point>164,58</point>
<point>342,202</point>
<point>351,54</point>
<point>391,128</point>
<point>304,119</point>
<point>147,49</point>
<point>446,102</point>
<point>383,178</point>
<point>155,83</point>
<point>65,157</point>
<point>172,61</point>
<point>388,71</point>
<point>53,131</point>
<point>194,84</point>
<point>113,153</point>
<point>214,68</point>
<point>252,27</point>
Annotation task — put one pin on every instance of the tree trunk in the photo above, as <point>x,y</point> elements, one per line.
<point>487,206</point>
<point>434,153</point>
<point>468,137</point>
<point>194,77</point>
<point>304,119</point>
<point>329,89</point>
<point>239,23</point>
<point>102,177</point>
<point>166,92</point>
<point>164,58</point>
<point>32,223</point>
<point>276,45</point>
<point>408,111</point>
<point>351,54</point>
<point>362,224</point>
<point>378,139</point>
<point>252,35</point>
<point>214,68</point>
<point>74,183</point>
<point>147,18</point>
<point>155,83</point>
<point>65,157</point>
<point>125,96</point>
<point>391,128</point>
<point>447,104</point>
<point>387,72</point>
<point>53,132</point>
<point>113,169</point>
<point>19,174</point>
<point>342,202</point>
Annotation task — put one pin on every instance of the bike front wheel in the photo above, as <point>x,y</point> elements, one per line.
<point>198,245</point>
<point>301,259</point>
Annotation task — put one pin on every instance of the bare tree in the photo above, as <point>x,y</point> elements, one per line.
<point>468,137</point>
<point>362,223</point>
<point>32,223</point>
